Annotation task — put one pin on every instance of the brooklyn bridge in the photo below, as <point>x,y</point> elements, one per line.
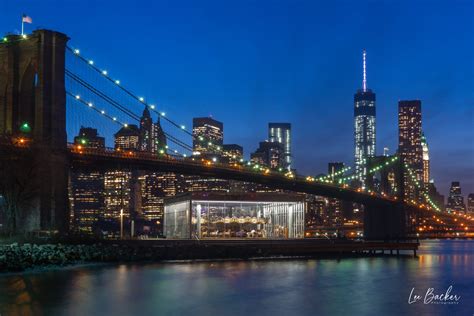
<point>43,83</point>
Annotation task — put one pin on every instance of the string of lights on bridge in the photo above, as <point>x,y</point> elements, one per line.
<point>115,120</point>
<point>105,74</point>
<point>254,166</point>
<point>371,171</point>
<point>152,107</point>
<point>419,187</point>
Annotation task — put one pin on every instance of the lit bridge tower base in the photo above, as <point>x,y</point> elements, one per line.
<point>387,222</point>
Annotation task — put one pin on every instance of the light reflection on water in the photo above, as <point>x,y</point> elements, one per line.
<point>360,286</point>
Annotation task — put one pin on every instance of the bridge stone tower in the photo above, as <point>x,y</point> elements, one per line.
<point>33,104</point>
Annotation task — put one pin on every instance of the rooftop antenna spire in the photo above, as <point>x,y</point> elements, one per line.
<point>364,80</point>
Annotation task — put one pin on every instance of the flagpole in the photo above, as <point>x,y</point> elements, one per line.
<point>22,25</point>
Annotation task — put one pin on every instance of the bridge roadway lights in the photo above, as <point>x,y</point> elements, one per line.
<point>384,222</point>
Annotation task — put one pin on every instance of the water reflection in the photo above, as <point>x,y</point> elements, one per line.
<point>368,286</point>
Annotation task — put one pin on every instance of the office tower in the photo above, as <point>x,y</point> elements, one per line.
<point>455,199</point>
<point>152,137</point>
<point>128,138</point>
<point>470,203</point>
<point>364,125</point>
<point>155,188</point>
<point>232,153</point>
<point>426,160</point>
<point>270,154</point>
<point>87,187</point>
<point>88,137</point>
<point>409,144</point>
<point>208,139</point>
<point>208,136</point>
<point>146,141</point>
<point>121,187</point>
<point>281,133</point>
<point>316,211</point>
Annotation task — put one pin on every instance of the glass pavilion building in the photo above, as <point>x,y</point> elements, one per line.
<point>223,215</point>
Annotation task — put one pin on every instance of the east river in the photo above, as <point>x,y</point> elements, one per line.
<point>359,286</point>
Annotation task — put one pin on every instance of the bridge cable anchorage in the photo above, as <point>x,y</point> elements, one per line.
<point>114,119</point>
<point>104,73</point>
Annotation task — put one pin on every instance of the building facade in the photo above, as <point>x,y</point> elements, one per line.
<point>270,154</point>
<point>455,199</point>
<point>208,136</point>
<point>152,138</point>
<point>232,153</point>
<point>87,187</point>
<point>470,203</point>
<point>281,133</point>
<point>121,187</point>
<point>426,161</point>
<point>410,144</point>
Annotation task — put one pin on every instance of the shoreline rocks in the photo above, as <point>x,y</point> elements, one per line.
<point>15,257</point>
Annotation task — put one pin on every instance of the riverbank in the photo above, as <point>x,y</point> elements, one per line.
<point>20,257</point>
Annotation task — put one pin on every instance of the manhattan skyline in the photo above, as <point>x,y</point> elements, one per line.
<point>275,64</point>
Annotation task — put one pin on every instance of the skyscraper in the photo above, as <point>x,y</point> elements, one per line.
<point>121,189</point>
<point>152,137</point>
<point>208,136</point>
<point>88,137</point>
<point>426,160</point>
<point>232,153</point>
<point>87,187</point>
<point>154,186</point>
<point>128,138</point>
<point>270,154</point>
<point>455,199</point>
<point>364,125</point>
<point>410,144</point>
<point>281,133</point>
<point>208,139</point>
<point>470,203</point>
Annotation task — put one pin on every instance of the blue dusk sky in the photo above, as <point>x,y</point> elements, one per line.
<point>248,63</point>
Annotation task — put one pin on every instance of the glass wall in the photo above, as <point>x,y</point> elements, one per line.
<point>232,219</point>
<point>177,220</point>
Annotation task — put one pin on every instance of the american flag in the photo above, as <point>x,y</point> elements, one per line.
<point>26,19</point>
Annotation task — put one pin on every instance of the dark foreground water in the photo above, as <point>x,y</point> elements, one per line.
<point>361,286</point>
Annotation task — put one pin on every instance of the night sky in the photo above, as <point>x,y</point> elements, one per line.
<point>248,63</point>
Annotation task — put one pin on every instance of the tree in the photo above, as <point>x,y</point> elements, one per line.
<point>18,169</point>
